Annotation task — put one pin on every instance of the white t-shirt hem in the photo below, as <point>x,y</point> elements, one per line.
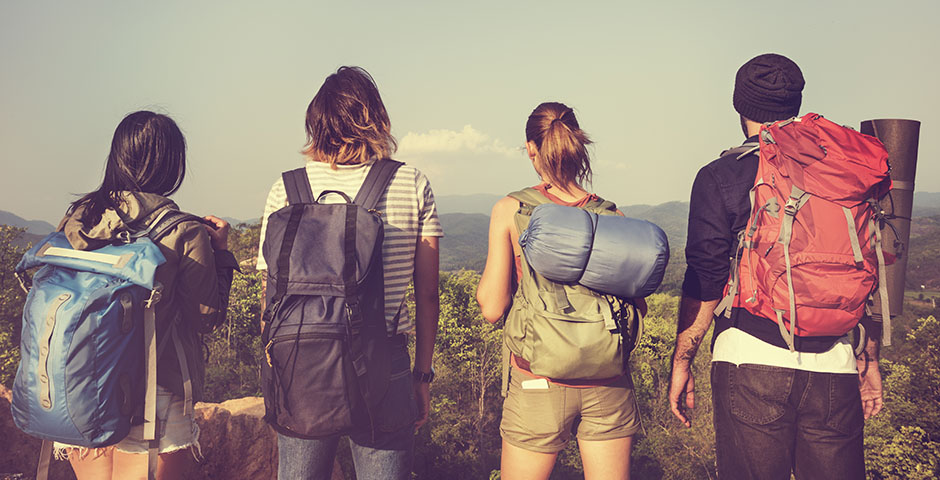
<point>738,347</point>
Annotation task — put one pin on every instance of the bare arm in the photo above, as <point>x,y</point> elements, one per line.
<point>494,293</point>
<point>427,311</point>
<point>869,376</point>
<point>427,300</point>
<point>695,317</point>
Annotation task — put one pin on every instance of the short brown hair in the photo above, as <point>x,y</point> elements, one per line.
<point>562,146</point>
<point>346,120</point>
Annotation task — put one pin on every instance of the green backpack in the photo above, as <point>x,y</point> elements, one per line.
<point>567,331</point>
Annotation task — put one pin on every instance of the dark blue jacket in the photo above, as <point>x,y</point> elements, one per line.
<point>719,208</point>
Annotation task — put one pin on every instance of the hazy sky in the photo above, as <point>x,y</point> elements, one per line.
<point>651,83</point>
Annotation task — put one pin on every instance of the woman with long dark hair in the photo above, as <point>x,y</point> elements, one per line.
<point>147,163</point>
<point>539,413</point>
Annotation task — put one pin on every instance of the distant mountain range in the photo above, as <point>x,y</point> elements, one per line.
<point>465,241</point>
<point>37,227</point>
<point>465,220</point>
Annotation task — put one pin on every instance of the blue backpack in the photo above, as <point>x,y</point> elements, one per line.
<point>88,349</point>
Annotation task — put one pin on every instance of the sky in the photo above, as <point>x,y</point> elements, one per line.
<point>650,82</point>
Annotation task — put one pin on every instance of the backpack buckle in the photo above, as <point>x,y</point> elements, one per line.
<point>155,295</point>
<point>25,281</point>
<point>354,318</point>
<point>124,236</point>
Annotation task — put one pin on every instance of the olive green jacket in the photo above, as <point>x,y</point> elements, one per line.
<point>196,280</point>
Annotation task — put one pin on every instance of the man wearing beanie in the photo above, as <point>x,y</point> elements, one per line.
<point>776,411</point>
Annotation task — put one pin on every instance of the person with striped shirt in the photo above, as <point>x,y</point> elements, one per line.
<point>348,130</point>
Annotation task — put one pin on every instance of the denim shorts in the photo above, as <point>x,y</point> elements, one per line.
<point>544,419</point>
<point>177,431</point>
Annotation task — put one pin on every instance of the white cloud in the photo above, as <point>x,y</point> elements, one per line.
<point>448,141</point>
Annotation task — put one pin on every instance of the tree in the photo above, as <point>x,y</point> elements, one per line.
<point>12,299</point>
<point>463,438</point>
<point>666,449</point>
<point>901,442</point>
<point>235,348</point>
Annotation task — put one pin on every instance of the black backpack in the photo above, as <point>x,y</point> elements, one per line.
<point>326,348</point>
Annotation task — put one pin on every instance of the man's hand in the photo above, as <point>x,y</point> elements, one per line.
<point>423,397</point>
<point>695,316</point>
<point>682,382</point>
<point>869,378</point>
<point>869,385</point>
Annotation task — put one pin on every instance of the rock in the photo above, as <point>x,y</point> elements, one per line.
<point>236,443</point>
<point>19,455</point>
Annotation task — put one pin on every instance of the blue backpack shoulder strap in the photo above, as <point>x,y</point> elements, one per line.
<point>297,186</point>
<point>377,180</point>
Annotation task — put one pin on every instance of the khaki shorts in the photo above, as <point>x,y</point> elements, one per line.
<point>544,419</point>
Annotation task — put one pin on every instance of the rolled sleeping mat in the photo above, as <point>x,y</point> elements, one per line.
<point>616,255</point>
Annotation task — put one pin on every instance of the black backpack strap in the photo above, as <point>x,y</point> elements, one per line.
<point>297,186</point>
<point>168,220</point>
<point>377,180</point>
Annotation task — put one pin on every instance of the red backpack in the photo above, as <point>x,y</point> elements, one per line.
<point>810,256</point>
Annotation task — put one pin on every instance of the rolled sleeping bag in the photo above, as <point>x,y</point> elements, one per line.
<point>616,255</point>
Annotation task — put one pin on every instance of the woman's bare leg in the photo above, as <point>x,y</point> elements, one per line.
<point>133,466</point>
<point>92,466</point>
<point>606,459</point>
<point>520,464</point>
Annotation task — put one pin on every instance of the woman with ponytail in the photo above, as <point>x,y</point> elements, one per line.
<point>540,414</point>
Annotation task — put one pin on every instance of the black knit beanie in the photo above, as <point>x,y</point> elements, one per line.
<point>768,88</point>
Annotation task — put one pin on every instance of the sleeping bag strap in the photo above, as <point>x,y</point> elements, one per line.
<point>797,199</point>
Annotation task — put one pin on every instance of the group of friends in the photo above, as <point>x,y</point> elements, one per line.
<point>777,411</point>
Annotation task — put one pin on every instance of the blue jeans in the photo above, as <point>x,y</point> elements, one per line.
<point>387,456</point>
<point>770,421</point>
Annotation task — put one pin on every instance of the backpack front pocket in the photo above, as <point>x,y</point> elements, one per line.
<point>574,349</point>
<point>301,363</point>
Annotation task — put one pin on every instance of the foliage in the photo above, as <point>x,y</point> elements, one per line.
<point>923,263</point>
<point>11,302</point>
<point>463,440</point>
<point>901,442</point>
<point>234,348</point>
<point>665,449</point>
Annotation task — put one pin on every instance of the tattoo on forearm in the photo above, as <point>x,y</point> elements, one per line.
<point>687,352</point>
